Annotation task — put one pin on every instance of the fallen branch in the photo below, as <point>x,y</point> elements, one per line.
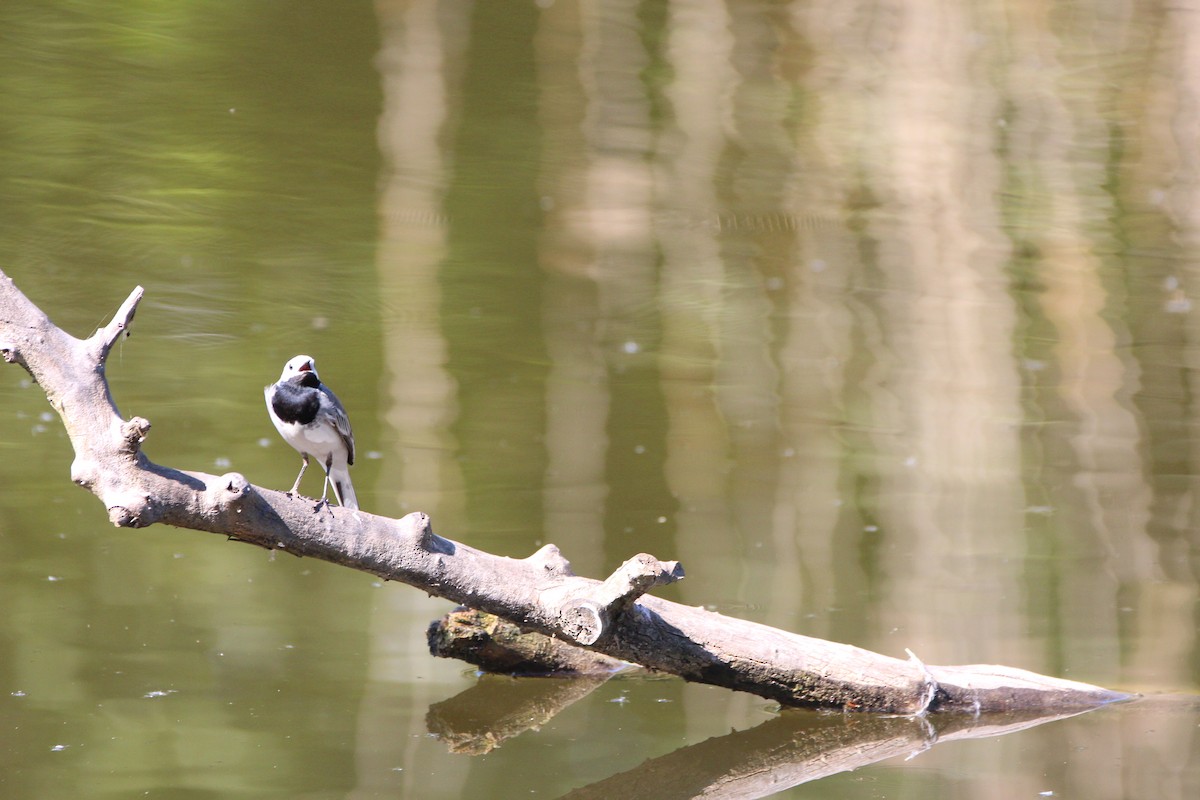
<point>538,593</point>
<point>495,645</point>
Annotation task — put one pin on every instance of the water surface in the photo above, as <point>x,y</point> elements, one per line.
<point>876,316</point>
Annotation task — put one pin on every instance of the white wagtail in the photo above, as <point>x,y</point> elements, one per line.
<point>311,419</point>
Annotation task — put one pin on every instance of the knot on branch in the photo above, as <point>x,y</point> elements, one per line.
<point>131,510</point>
<point>8,351</point>
<point>133,434</point>
<point>417,524</point>
<point>552,562</point>
<point>233,482</point>
<point>585,619</point>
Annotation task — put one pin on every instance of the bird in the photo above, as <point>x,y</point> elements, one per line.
<point>311,419</point>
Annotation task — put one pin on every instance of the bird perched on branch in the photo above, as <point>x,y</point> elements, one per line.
<point>311,419</point>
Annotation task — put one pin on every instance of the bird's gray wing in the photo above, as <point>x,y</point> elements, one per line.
<point>336,413</point>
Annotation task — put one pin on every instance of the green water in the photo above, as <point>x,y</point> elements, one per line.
<point>878,317</point>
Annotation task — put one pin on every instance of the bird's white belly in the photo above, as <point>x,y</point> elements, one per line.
<point>312,439</point>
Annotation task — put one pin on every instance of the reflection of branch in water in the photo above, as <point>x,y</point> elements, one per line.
<point>794,748</point>
<point>495,709</point>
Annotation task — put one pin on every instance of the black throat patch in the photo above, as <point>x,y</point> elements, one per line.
<point>297,402</point>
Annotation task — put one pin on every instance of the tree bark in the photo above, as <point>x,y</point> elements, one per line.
<point>539,593</point>
<point>496,645</point>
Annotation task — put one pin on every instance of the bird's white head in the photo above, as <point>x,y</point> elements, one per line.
<point>297,365</point>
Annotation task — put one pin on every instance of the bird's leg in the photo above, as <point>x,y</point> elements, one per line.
<point>303,466</point>
<point>325,486</point>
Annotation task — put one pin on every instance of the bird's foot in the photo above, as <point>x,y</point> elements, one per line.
<point>322,503</point>
<point>298,496</point>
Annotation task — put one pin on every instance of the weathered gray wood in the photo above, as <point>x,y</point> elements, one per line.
<point>538,593</point>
